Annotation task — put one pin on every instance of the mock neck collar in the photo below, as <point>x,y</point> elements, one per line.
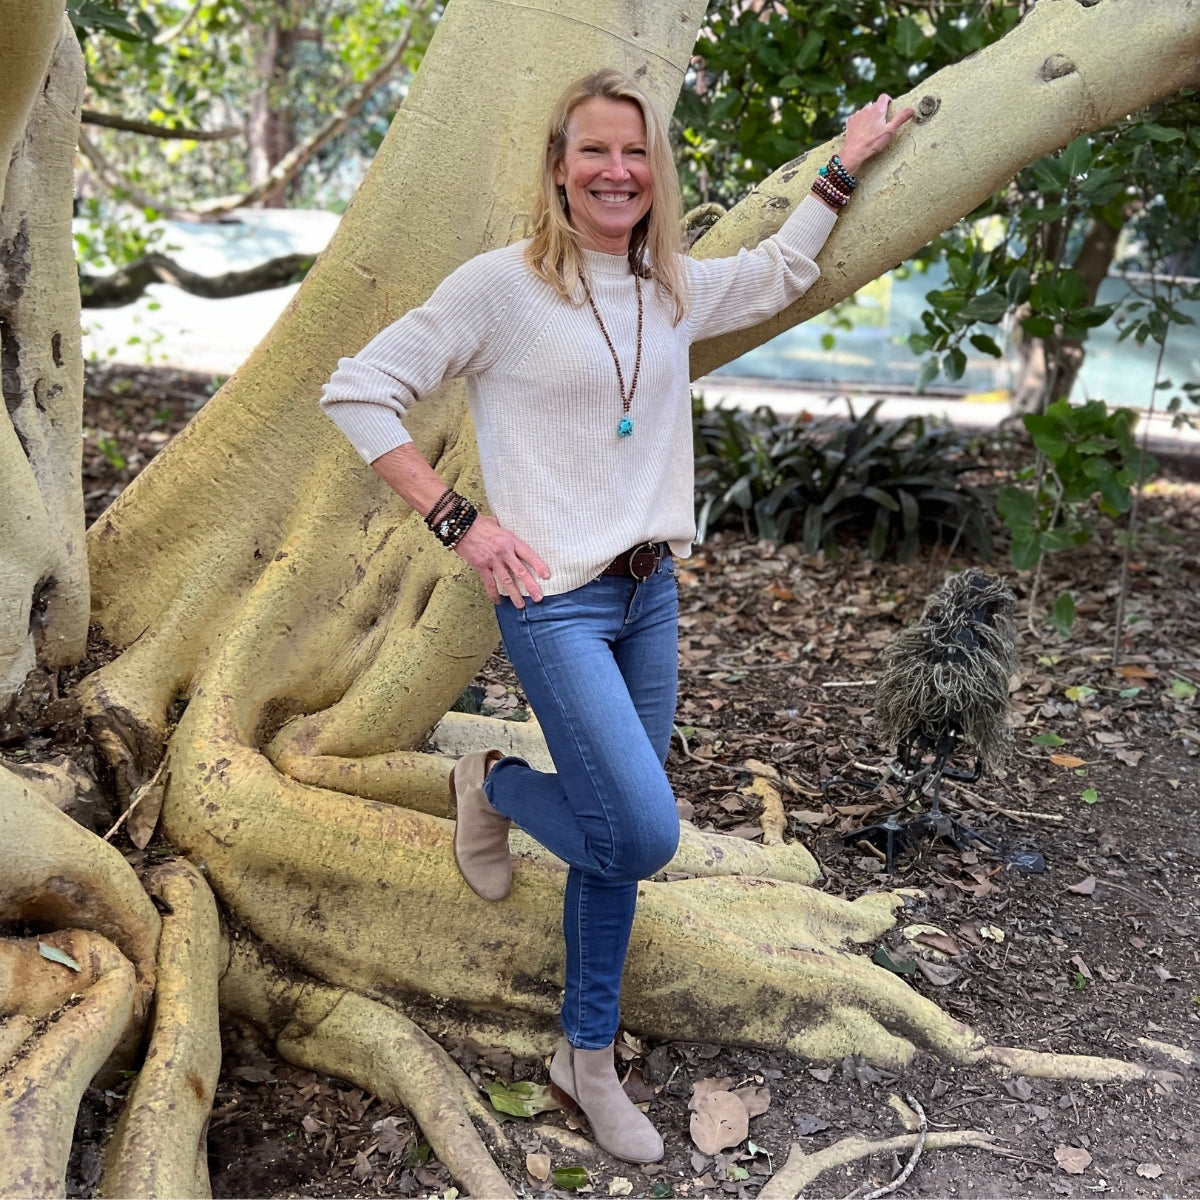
<point>596,263</point>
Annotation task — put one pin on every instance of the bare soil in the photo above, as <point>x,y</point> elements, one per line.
<point>1095,954</point>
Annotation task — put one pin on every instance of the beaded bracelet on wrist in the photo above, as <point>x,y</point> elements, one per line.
<point>837,169</point>
<point>827,192</point>
<point>442,502</point>
<point>451,525</point>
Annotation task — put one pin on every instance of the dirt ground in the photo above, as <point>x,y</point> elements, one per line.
<point>1097,953</point>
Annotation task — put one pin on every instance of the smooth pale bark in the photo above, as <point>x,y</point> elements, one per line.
<point>1068,68</point>
<point>31,29</point>
<point>43,568</point>
<point>174,1088</point>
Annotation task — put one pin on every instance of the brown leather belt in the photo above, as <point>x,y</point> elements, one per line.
<point>638,563</point>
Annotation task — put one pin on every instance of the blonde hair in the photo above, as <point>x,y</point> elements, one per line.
<point>655,244</point>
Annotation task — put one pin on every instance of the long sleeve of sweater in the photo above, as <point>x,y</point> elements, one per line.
<point>447,336</point>
<point>752,285</point>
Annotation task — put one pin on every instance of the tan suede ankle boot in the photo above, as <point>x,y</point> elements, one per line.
<point>480,832</point>
<point>589,1078</point>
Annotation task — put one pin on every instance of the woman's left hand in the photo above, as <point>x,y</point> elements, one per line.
<point>868,131</point>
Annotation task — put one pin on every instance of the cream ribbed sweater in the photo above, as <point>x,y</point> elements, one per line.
<point>543,388</point>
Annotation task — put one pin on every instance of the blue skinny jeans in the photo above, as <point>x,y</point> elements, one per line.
<point>600,667</point>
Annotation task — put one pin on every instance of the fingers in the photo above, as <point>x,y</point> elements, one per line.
<point>903,116</point>
<point>504,563</point>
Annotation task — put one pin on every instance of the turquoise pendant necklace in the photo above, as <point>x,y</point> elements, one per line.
<point>625,425</point>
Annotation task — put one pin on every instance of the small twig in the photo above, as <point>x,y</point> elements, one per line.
<point>922,1134</point>
<point>840,683</point>
<point>707,762</point>
<point>981,805</point>
<point>137,799</point>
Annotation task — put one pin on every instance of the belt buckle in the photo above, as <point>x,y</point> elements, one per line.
<point>645,550</point>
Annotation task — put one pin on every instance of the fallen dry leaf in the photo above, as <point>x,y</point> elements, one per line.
<point>756,1100</point>
<point>362,1168</point>
<point>146,804</point>
<point>821,1074</point>
<point>939,974</point>
<point>702,1087</point>
<point>1085,887</point>
<point>719,1121</point>
<point>1066,760</point>
<point>1077,961</point>
<point>1149,1170</point>
<point>538,1165</point>
<point>1130,757</point>
<point>1137,671</point>
<point>1073,1159</point>
<point>618,1185</point>
<point>933,938</point>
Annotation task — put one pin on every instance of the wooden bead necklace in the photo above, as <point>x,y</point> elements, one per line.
<point>625,425</point>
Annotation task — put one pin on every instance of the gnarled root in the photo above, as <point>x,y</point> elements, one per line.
<point>57,875</point>
<point>801,1168</point>
<point>42,1084</point>
<point>160,1147</point>
<point>340,1033</point>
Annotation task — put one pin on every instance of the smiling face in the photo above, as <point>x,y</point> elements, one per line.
<point>606,173</point>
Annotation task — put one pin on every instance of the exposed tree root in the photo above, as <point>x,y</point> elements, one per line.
<point>338,1032</point>
<point>801,1169</point>
<point>57,875</point>
<point>34,986</point>
<point>1086,1068</point>
<point>41,1086</point>
<point>160,1148</point>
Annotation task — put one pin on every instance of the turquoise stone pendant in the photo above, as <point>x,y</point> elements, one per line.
<point>625,429</point>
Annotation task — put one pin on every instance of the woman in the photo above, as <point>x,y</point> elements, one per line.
<point>574,346</point>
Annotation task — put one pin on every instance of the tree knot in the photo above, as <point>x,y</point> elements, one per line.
<point>1057,65</point>
<point>926,107</point>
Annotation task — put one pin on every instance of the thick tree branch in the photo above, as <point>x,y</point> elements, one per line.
<point>125,286</point>
<point>147,129</point>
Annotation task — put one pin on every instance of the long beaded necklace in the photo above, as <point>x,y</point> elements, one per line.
<point>625,426</point>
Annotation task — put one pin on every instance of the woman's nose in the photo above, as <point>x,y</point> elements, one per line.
<point>617,168</point>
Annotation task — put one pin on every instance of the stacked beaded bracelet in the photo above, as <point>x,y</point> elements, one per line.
<point>834,184</point>
<point>450,518</point>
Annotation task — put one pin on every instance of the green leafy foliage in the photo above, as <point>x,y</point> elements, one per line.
<point>775,79</point>
<point>182,66</point>
<point>1091,463</point>
<point>893,482</point>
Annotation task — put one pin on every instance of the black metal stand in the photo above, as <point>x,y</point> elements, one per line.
<point>920,778</point>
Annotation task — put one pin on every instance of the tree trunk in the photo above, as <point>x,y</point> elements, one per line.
<point>1049,370</point>
<point>270,131</point>
<point>43,569</point>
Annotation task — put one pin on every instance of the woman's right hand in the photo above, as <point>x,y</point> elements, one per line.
<point>502,560</point>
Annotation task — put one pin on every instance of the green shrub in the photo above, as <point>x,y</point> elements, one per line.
<point>894,482</point>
